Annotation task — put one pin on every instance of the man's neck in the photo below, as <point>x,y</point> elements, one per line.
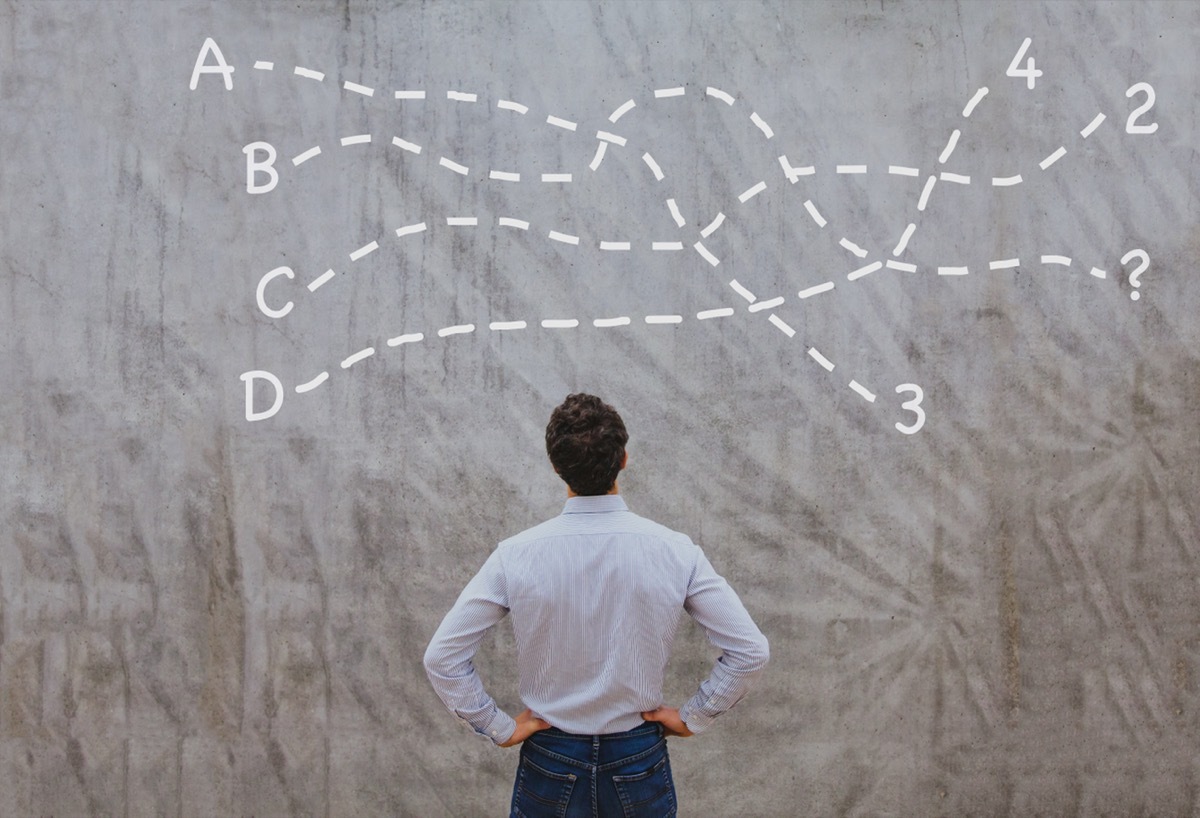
<point>614,490</point>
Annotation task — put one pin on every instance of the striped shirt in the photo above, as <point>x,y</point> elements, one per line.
<point>596,595</point>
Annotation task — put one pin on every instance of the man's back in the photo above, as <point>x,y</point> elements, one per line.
<point>596,596</point>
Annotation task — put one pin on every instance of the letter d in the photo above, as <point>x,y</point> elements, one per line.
<point>249,378</point>
<point>253,167</point>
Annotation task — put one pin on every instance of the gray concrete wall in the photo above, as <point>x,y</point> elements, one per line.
<point>205,615</point>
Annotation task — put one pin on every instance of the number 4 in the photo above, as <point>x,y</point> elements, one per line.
<point>1029,71</point>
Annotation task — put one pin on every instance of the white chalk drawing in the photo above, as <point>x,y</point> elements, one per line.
<point>262,177</point>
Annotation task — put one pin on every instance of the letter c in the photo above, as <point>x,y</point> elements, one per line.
<point>262,286</point>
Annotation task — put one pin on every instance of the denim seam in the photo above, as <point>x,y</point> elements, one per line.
<point>633,758</point>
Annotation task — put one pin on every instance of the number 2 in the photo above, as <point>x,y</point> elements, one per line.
<point>1030,72</point>
<point>914,406</point>
<point>1131,125</point>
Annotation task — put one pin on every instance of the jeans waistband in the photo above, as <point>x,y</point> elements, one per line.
<point>645,728</point>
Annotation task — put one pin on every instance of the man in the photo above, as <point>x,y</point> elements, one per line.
<point>596,595</point>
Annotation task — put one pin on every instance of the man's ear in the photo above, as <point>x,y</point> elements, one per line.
<point>624,458</point>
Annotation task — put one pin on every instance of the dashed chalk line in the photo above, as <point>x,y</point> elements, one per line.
<point>862,390</point>
<point>903,243</point>
<point>599,157</point>
<point>949,149</point>
<point>752,192</point>
<point>625,108</point>
<point>500,326</point>
<point>308,154</point>
<point>713,225</point>
<point>792,173</point>
<point>454,166</point>
<point>979,95</point>
<point>403,144</point>
<point>559,122</point>
<point>358,356</point>
<point>654,168</point>
<point>816,290</point>
<point>719,94</point>
<point>675,214</point>
<point>320,280</point>
<point>358,89</point>
<point>853,248</point>
<point>706,254</point>
<point>1052,158</point>
<point>313,384</point>
<point>770,304</point>
<point>924,200</point>
<point>1092,126</point>
<point>865,271</point>
<point>762,126</point>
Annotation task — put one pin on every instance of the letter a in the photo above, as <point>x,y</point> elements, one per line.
<point>253,167</point>
<point>249,378</point>
<point>222,67</point>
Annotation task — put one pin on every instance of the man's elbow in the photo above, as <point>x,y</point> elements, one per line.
<point>759,654</point>
<point>434,661</point>
<point>750,657</point>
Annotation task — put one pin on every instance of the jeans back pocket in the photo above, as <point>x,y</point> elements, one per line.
<point>649,794</point>
<point>541,793</point>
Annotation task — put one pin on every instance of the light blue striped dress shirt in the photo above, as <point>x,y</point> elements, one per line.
<point>596,595</point>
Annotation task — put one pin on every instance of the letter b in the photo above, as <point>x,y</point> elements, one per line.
<point>266,167</point>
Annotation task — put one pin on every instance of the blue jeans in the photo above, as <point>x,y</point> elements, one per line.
<point>619,775</point>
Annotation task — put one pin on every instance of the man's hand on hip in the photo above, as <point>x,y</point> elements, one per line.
<point>668,717</point>
<point>527,725</point>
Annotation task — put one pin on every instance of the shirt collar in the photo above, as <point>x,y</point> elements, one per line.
<point>590,505</point>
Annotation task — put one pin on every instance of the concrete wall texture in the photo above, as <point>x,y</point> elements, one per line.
<point>205,615</point>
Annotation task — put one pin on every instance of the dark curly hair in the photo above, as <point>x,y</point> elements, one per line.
<point>586,439</point>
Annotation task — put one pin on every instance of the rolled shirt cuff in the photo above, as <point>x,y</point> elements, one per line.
<point>695,720</point>
<point>500,729</point>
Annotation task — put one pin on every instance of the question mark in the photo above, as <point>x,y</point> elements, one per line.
<point>1133,277</point>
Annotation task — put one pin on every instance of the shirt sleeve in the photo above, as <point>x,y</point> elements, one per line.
<point>483,603</point>
<point>744,650</point>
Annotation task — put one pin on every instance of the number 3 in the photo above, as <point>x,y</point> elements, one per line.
<point>914,406</point>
